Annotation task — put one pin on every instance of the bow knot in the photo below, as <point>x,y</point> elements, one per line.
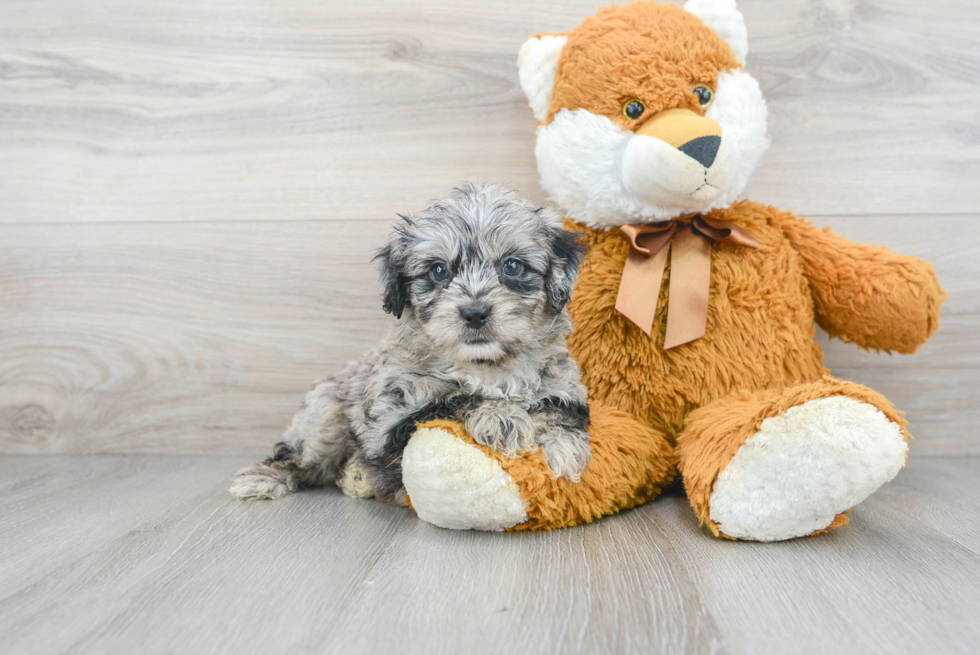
<point>690,277</point>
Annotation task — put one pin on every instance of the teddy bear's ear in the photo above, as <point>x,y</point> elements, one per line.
<point>538,63</point>
<point>724,18</point>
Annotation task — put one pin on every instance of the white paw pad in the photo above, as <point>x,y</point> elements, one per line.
<point>804,467</point>
<point>453,485</point>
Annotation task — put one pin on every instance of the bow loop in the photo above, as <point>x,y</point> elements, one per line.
<point>723,231</point>
<point>690,281</point>
<point>648,238</point>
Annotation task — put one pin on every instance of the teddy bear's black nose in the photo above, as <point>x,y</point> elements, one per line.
<point>702,149</point>
<point>475,317</point>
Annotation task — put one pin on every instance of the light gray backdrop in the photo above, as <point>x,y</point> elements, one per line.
<point>190,192</point>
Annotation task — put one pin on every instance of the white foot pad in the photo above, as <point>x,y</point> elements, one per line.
<point>804,467</point>
<point>454,485</point>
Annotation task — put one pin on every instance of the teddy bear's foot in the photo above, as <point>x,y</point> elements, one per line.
<point>804,467</point>
<point>453,484</point>
<point>801,467</point>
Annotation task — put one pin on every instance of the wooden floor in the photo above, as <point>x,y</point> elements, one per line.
<point>149,554</point>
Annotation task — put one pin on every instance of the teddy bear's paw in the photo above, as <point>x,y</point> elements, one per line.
<point>805,467</point>
<point>452,484</point>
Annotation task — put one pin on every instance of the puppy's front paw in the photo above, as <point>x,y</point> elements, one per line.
<point>505,428</point>
<point>261,481</point>
<point>567,452</point>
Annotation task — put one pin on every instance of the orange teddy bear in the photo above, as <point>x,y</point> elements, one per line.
<point>695,313</point>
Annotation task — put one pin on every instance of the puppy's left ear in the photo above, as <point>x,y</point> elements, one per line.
<point>394,283</point>
<point>567,253</point>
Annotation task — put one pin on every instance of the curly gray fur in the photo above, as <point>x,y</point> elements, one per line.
<point>473,341</point>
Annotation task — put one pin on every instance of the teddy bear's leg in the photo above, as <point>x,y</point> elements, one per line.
<point>785,463</point>
<point>453,482</point>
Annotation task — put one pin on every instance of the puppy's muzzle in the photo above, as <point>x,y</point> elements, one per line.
<point>475,316</point>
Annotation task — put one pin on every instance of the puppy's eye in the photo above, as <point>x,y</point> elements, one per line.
<point>633,109</point>
<point>704,94</point>
<point>513,268</point>
<point>439,272</point>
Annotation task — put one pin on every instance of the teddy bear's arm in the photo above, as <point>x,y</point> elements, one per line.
<point>866,294</point>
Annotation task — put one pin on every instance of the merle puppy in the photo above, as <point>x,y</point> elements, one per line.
<point>479,281</point>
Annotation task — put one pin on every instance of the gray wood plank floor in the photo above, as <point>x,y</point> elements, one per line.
<point>149,554</point>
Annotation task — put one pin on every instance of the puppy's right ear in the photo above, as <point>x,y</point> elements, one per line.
<point>393,282</point>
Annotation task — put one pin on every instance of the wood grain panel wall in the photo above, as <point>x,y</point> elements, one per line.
<point>190,192</point>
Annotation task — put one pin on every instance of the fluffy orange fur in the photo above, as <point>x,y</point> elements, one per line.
<point>760,336</point>
<point>760,332</point>
<point>855,302</point>
<point>649,51</point>
<point>759,355</point>
<point>761,316</point>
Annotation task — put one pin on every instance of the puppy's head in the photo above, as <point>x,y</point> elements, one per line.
<point>484,274</point>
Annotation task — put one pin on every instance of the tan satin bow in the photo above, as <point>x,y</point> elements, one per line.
<point>690,273</point>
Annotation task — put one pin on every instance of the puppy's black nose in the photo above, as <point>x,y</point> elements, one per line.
<point>702,149</point>
<point>475,317</point>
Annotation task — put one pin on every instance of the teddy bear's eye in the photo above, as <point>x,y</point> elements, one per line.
<point>704,94</point>
<point>633,109</point>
